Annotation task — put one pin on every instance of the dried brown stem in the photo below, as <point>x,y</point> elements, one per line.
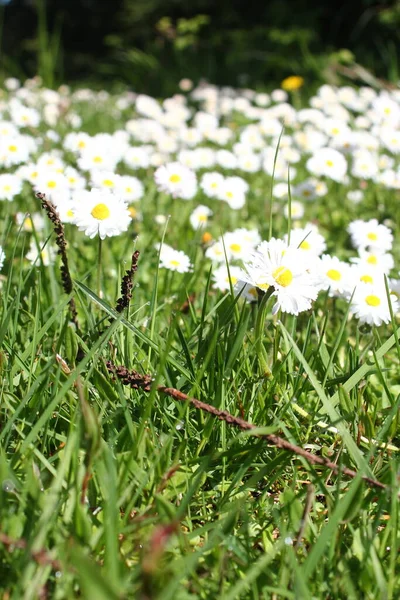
<point>62,251</point>
<point>129,377</point>
<point>136,380</point>
<point>127,284</point>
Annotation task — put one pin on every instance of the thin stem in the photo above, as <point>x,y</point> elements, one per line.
<point>99,256</point>
<point>259,332</point>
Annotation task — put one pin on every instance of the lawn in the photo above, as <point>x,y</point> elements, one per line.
<point>199,327</point>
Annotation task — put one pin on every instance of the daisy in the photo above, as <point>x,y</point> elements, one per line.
<point>370,234</point>
<point>104,179</point>
<point>75,181</point>
<point>137,157</point>
<point>51,183</point>
<point>308,240</point>
<point>224,278</point>
<point>282,268</point>
<point>177,180</point>
<point>97,156</point>
<point>232,194</point>
<point>211,184</point>
<point>130,188</point>
<point>13,151</point>
<point>10,186</point>
<point>335,275</point>
<point>174,260</point>
<point>30,222</point>
<point>100,212</point>
<point>199,217</point>
<point>370,304</point>
<point>216,252</point>
<point>296,210</point>
<point>237,247</point>
<point>383,262</point>
<point>328,162</point>
<point>45,256</point>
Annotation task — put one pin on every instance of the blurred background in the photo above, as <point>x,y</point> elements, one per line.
<point>149,45</point>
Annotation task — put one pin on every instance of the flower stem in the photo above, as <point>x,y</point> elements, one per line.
<point>99,255</point>
<point>259,331</point>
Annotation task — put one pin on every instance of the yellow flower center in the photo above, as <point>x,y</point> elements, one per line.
<point>108,183</point>
<point>334,274</point>
<point>100,212</point>
<point>70,214</point>
<point>81,144</point>
<point>97,159</point>
<point>214,185</point>
<point>202,218</point>
<point>12,148</point>
<point>7,188</point>
<point>372,260</point>
<point>263,286</point>
<point>372,236</point>
<point>132,212</point>
<point>235,247</point>
<point>233,280</point>
<point>253,292</point>
<point>229,195</point>
<point>335,130</point>
<point>305,245</point>
<point>366,279</point>
<point>372,300</point>
<point>175,178</point>
<point>306,193</point>
<point>174,263</point>
<point>283,276</point>
<point>51,184</point>
<point>329,163</point>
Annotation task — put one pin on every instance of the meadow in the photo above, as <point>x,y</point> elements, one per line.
<point>199,331</point>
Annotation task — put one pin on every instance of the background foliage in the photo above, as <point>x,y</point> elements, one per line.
<point>151,44</point>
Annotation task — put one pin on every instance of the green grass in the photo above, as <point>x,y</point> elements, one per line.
<point>109,492</point>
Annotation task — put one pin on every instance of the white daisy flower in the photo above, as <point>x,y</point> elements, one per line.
<point>100,212</point>
<point>296,210</point>
<point>10,186</point>
<point>370,234</point>
<point>282,268</point>
<point>328,162</point>
<point>38,256</point>
<point>130,188</point>
<point>177,180</point>
<point>383,262</point>
<point>211,184</point>
<point>370,304</point>
<point>35,222</point>
<point>174,260</point>
<point>199,217</point>
<point>335,275</point>
<point>224,279</point>
<point>307,239</point>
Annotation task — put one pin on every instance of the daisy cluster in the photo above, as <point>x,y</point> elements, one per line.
<point>296,269</point>
<point>216,151</point>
